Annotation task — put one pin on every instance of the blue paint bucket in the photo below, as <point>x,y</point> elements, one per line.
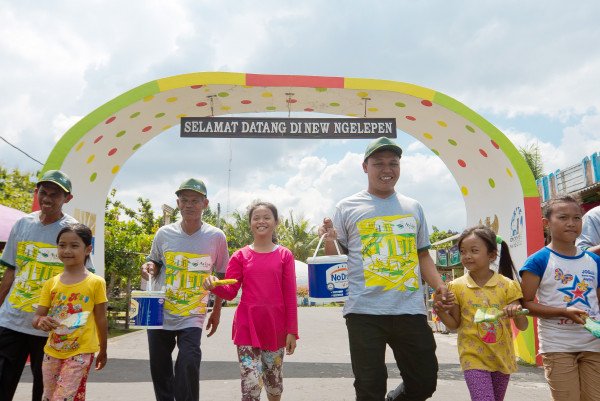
<point>327,277</point>
<point>146,309</point>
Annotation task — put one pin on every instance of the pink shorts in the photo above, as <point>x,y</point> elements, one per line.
<point>65,379</point>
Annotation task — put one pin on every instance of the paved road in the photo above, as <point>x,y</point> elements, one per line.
<point>319,370</point>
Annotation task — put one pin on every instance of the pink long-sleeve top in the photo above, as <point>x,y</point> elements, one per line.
<point>268,309</point>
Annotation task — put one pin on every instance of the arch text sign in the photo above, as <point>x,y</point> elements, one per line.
<point>224,127</point>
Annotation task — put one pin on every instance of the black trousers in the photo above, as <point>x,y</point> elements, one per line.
<point>411,340</point>
<point>182,381</point>
<point>14,349</point>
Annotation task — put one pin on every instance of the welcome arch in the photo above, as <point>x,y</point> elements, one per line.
<point>496,183</point>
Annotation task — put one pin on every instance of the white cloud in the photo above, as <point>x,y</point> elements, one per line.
<point>61,60</point>
<point>62,124</point>
<point>577,141</point>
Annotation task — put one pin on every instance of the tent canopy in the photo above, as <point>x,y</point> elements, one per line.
<point>8,217</point>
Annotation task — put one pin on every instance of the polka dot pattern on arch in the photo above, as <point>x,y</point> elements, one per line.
<point>416,109</point>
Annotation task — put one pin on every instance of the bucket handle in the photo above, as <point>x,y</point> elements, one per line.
<point>337,248</point>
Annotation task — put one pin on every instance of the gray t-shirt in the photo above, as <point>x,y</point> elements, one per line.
<point>187,260</point>
<point>383,237</point>
<point>31,251</point>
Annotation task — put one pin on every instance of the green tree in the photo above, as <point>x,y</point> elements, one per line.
<point>438,235</point>
<point>127,240</point>
<point>298,237</point>
<point>533,158</point>
<point>237,231</point>
<point>210,216</point>
<point>16,189</point>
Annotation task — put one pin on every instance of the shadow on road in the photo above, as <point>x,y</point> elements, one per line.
<point>137,370</point>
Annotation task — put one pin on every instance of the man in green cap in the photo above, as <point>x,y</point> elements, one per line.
<point>30,249</point>
<point>386,238</point>
<point>183,254</point>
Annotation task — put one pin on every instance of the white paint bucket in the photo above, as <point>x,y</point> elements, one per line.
<point>327,276</point>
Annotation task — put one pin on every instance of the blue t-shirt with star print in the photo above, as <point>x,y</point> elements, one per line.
<point>566,281</point>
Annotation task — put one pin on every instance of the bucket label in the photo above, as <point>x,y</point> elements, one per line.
<point>146,311</point>
<point>337,277</point>
<point>328,281</point>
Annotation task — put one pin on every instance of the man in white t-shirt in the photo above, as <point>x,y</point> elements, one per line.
<point>183,254</point>
<point>386,238</point>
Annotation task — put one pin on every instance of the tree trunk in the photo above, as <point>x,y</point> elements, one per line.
<point>111,284</point>
<point>128,300</point>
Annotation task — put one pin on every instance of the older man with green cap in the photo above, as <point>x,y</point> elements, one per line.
<point>30,249</point>
<point>386,238</point>
<point>183,254</point>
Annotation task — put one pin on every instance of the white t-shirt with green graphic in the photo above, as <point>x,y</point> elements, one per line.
<point>383,237</point>
<point>187,260</point>
<point>31,250</point>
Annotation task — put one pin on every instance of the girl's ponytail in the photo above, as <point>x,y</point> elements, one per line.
<point>506,267</point>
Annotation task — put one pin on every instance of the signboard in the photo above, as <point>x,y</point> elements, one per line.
<point>454,256</point>
<point>234,127</point>
<point>442,257</point>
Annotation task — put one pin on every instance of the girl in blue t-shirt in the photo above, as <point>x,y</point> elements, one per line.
<point>565,280</point>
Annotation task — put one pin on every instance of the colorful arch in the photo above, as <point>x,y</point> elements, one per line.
<point>497,186</point>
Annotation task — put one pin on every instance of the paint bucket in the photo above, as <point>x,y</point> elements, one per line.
<point>327,276</point>
<point>146,309</point>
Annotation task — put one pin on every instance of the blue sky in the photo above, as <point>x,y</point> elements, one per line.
<point>531,68</point>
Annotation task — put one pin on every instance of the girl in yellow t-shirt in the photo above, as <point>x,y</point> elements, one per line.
<point>486,350</point>
<point>72,309</point>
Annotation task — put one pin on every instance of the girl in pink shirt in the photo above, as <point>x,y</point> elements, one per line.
<point>265,325</point>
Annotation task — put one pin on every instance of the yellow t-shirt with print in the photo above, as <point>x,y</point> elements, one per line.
<point>73,305</point>
<point>485,346</point>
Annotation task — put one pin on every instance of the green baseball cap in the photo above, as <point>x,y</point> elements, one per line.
<point>57,177</point>
<point>193,185</point>
<point>380,144</point>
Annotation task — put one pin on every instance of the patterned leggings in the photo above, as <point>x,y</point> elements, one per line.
<point>65,379</point>
<point>259,367</point>
<point>486,386</point>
